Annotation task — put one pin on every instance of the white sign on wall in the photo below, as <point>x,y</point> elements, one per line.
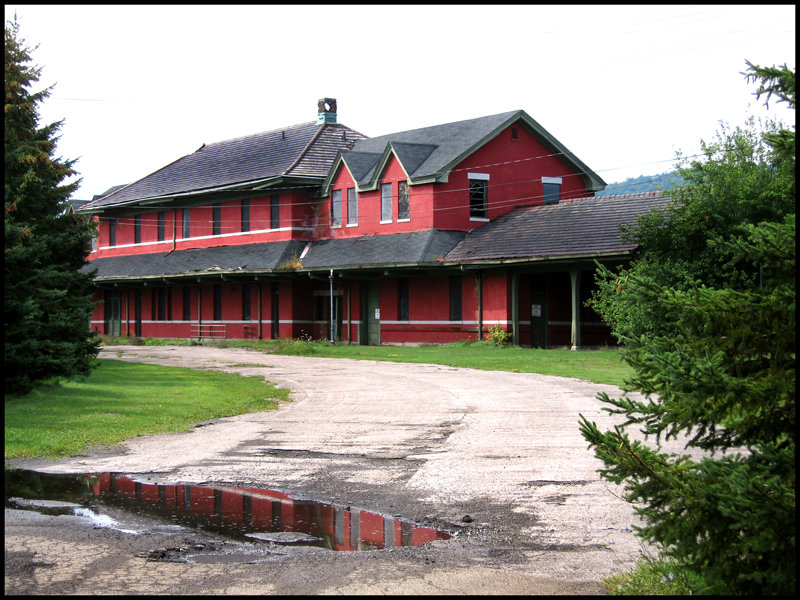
<point>536,310</point>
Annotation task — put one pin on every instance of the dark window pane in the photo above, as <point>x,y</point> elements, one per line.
<point>552,192</point>
<point>215,218</point>
<point>402,299</point>
<point>478,201</point>
<point>455,298</point>
<point>403,208</point>
<point>275,211</point>
<point>245,215</point>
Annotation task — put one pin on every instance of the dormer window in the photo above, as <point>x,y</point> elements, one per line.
<point>336,208</point>
<point>403,207</point>
<point>352,207</point>
<point>386,203</point>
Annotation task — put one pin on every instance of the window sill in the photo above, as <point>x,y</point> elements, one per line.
<point>352,224</point>
<point>480,219</point>
<point>385,222</point>
<point>403,220</point>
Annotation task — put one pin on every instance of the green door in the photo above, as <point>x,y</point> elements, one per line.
<point>113,313</point>
<point>371,333</point>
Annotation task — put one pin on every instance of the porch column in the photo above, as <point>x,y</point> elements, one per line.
<point>260,336</point>
<point>575,281</point>
<point>515,306</point>
<point>479,278</point>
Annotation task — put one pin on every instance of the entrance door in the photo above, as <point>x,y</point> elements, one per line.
<point>538,319</point>
<point>371,332</point>
<point>113,313</point>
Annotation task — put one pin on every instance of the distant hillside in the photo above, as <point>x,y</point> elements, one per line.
<point>643,183</point>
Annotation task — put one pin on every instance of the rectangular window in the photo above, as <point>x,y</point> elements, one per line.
<point>274,211</point>
<point>386,203</point>
<point>161,226</point>
<point>352,206</point>
<point>246,301</point>
<point>455,298</point>
<point>218,303</point>
<point>403,208</point>
<point>336,208</point>
<point>246,215</point>
<point>216,217</point>
<point>137,229</point>
<point>551,190</point>
<point>187,303</point>
<point>478,195</point>
<point>112,232</point>
<point>402,299</point>
<point>186,224</point>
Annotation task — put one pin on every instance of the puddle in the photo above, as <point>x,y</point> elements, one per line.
<point>243,513</point>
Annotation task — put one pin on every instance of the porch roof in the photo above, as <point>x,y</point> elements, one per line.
<point>195,262</point>
<point>410,249</point>
<point>578,227</point>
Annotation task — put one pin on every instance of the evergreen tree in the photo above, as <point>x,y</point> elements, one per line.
<point>47,301</point>
<point>718,365</point>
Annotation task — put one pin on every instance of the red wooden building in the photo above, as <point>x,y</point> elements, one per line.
<point>425,236</point>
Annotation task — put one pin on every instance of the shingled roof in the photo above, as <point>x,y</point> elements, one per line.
<point>429,154</point>
<point>571,228</point>
<point>304,150</point>
<point>199,261</point>
<point>409,249</point>
<point>415,248</point>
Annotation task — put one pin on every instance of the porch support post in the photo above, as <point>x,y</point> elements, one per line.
<point>575,281</point>
<point>479,277</point>
<point>260,324</point>
<point>515,306</point>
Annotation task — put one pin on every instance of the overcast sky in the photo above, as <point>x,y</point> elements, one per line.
<point>622,87</point>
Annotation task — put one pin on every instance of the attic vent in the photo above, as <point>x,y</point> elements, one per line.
<point>326,111</point>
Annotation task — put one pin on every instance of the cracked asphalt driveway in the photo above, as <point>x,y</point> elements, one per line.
<point>430,443</point>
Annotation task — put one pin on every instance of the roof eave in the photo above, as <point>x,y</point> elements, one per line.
<point>255,185</point>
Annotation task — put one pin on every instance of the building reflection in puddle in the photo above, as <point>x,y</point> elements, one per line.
<point>255,512</point>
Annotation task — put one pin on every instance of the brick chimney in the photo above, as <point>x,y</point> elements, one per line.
<point>326,111</point>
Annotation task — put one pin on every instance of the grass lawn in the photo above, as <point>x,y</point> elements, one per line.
<point>599,366</point>
<point>121,400</point>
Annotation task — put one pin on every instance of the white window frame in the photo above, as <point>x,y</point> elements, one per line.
<point>352,207</point>
<point>384,198</point>
<point>336,213</point>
